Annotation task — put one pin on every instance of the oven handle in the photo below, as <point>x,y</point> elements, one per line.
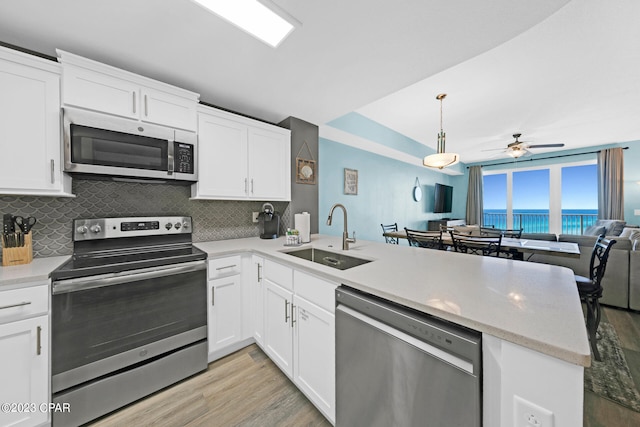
<point>110,279</point>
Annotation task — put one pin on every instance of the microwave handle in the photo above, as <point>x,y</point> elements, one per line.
<point>170,154</point>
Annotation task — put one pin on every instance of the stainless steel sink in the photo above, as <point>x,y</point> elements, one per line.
<point>331,259</point>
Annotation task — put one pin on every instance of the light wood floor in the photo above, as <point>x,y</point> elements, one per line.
<point>242,389</point>
<point>247,389</point>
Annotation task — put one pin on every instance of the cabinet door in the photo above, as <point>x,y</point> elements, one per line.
<point>24,369</point>
<point>269,165</point>
<point>314,354</point>
<point>278,333</point>
<point>168,110</point>
<point>257,286</point>
<point>225,312</point>
<point>222,159</point>
<point>30,126</point>
<point>100,92</point>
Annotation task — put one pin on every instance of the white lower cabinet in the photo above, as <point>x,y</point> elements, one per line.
<point>224,296</point>
<point>225,320</point>
<point>314,354</point>
<point>24,356</point>
<point>278,329</point>
<point>299,332</point>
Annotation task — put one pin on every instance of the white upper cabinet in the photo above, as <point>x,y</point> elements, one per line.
<point>95,86</point>
<point>30,124</point>
<point>241,158</point>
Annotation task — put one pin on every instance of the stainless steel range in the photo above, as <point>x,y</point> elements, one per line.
<point>129,314</point>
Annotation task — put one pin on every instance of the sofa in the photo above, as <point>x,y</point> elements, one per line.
<point>621,282</point>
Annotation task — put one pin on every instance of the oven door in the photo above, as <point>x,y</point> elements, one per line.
<point>105,323</point>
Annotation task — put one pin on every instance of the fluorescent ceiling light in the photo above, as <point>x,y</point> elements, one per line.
<point>253,17</point>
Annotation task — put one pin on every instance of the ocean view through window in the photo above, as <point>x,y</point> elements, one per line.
<point>559,199</point>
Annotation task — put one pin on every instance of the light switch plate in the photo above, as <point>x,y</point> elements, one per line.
<point>636,212</point>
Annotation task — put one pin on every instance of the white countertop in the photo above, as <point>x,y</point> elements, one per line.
<point>530,304</point>
<point>19,276</point>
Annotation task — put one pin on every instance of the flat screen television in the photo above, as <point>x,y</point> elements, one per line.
<point>443,196</point>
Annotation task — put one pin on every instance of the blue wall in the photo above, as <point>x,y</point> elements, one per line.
<point>385,189</point>
<point>385,185</point>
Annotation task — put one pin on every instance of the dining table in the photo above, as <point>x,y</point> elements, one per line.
<point>523,246</point>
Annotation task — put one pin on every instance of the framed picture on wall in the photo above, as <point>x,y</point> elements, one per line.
<point>305,171</point>
<point>350,181</point>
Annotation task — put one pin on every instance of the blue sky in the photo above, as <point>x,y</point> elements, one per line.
<point>531,189</point>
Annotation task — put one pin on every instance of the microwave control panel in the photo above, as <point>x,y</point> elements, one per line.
<point>183,158</point>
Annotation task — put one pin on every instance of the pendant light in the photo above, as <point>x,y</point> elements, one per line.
<point>441,159</point>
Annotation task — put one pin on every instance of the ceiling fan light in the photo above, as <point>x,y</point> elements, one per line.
<point>441,160</point>
<point>516,153</point>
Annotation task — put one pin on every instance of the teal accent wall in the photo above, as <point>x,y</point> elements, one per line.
<point>385,192</point>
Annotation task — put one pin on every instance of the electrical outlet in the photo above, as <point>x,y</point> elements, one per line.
<point>527,414</point>
<point>255,216</point>
<point>636,212</point>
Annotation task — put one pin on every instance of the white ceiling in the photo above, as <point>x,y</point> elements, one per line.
<point>554,70</point>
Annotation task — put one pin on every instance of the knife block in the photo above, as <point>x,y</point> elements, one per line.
<point>20,255</point>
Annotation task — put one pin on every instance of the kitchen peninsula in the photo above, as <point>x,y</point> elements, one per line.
<point>534,340</point>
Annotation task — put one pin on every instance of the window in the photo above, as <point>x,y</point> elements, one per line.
<point>579,198</point>
<point>551,199</point>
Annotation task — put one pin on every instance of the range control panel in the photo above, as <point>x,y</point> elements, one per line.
<point>111,228</point>
<point>139,225</point>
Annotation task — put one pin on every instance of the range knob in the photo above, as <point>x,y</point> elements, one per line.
<point>82,229</point>
<point>95,229</point>
<point>185,224</point>
<point>178,225</point>
<point>168,226</point>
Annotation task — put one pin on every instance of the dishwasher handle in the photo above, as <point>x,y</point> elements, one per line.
<point>447,357</point>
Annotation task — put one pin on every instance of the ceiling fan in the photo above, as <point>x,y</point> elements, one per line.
<point>519,148</point>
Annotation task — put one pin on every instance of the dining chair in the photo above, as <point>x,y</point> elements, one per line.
<point>387,228</point>
<point>479,245</point>
<point>590,288</point>
<point>424,239</point>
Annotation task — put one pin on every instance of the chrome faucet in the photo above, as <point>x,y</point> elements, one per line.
<point>345,234</point>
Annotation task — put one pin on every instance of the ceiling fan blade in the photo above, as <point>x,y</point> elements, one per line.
<point>545,146</point>
<point>493,149</point>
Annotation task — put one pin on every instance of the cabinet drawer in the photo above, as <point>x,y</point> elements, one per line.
<point>316,290</point>
<point>22,303</point>
<point>223,267</point>
<point>279,274</point>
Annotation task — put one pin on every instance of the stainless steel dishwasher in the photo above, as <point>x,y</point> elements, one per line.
<point>398,367</point>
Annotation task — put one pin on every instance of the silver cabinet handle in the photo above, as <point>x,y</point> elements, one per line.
<point>251,185</point>
<point>259,273</point>
<point>225,267</point>
<point>293,320</point>
<point>286,311</point>
<point>213,295</point>
<point>53,171</point>
<point>20,304</point>
<point>39,341</point>
<point>246,190</point>
<point>134,102</point>
<point>146,107</point>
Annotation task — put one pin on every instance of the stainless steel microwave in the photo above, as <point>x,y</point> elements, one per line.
<point>100,144</point>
